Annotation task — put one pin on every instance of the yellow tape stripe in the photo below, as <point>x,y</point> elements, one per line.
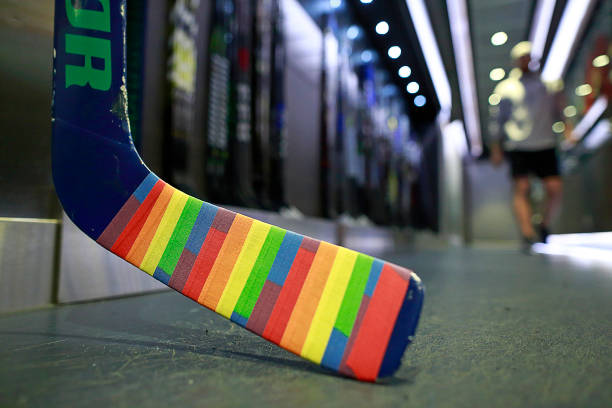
<point>242,269</point>
<point>329,305</point>
<point>164,232</point>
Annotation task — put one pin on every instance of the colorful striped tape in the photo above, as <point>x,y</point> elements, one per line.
<point>328,304</point>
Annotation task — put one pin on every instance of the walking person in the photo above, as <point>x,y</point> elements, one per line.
<point>527,112</point>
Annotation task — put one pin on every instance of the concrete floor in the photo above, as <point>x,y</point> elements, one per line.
<point>498,329</point>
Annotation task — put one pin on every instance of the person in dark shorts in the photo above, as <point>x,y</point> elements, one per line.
<point>527,111</point>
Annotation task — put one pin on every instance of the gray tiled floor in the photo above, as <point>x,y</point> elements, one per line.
<point>498,329</point>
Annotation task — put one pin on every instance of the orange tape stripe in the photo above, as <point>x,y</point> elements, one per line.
<point>222,268</point>
<point>141,245</point>
<point>306,305</point>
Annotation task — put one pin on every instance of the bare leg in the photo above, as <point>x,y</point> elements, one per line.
<point>522,207</point>
<point>554,188</point>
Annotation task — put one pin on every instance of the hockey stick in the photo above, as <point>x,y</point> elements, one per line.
<point>343,310</point>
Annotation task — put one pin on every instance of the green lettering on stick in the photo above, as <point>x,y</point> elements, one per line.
<point>90,48</point>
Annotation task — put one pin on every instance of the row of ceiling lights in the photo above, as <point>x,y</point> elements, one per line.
<point>394,52</point>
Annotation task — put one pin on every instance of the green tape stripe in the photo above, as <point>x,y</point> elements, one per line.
<point>259,273</point>
<point>180,235</point>
<point>354,293</point>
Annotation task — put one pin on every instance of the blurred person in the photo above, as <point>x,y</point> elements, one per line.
<point>527,111</point>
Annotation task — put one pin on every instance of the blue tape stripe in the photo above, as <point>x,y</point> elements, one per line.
<point>200,228</point>
<point>145,187</point>
<point>238,318</point>
<point>161,276</point>
<point>335,350</point>
<point>284,258</point>
<point>377,266</point>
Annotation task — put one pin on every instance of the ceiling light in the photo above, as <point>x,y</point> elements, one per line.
<point>497,73</point>
<point>588,120</point>
<point>382,28</point>
<point>352,32</point>
<point>366,1</point>
<point>540,26</point>
<point>420,100</point>
<point>431,52</point>
<point>499,38</point>
<point>404,72</point>
<point>412,87</point>
<point>601,61</point>
<point>569,111</point>
<point>335,3</point>
<point>515,73</point>
<point>494,99</point>
<point>601,133</point>
<point>558,127</point>
<point>583,90</point>
<point>366,56</point>
<point>392,123</point>
<point>394,52</point>
<point>568,33</point>
<point>462,48</point>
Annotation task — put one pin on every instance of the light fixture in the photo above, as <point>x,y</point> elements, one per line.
<point>412,87</point>
<point>515,73</point>
<point>419,100</point>
<point>335,3</point>
<point>394,52</point>
<point>431,52</point>
<point>392,123</point>
<point>497,73</point>
<point>601,61</point>
<point>600,133</point>
<point>462,47</point>
<point>352,32</point>
<point>366,1</point>
<point>539,29</point>
<point>588,120</point>
<point>494,99</point>
<point>499,38</point>
<point>404,72</point>
<point>568,33</point>
<point>558,127</point>
<point>584,90</point>
<point>366,56</point>
<point>382,28</point>
<point>569,111</point>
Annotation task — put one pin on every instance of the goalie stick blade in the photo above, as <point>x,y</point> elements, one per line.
<point>346,311</point>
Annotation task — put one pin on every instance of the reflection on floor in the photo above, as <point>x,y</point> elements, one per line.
<point>498,329</point>
<point>594,247</point>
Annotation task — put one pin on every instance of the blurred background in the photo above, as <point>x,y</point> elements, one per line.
<point>362,122</point>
